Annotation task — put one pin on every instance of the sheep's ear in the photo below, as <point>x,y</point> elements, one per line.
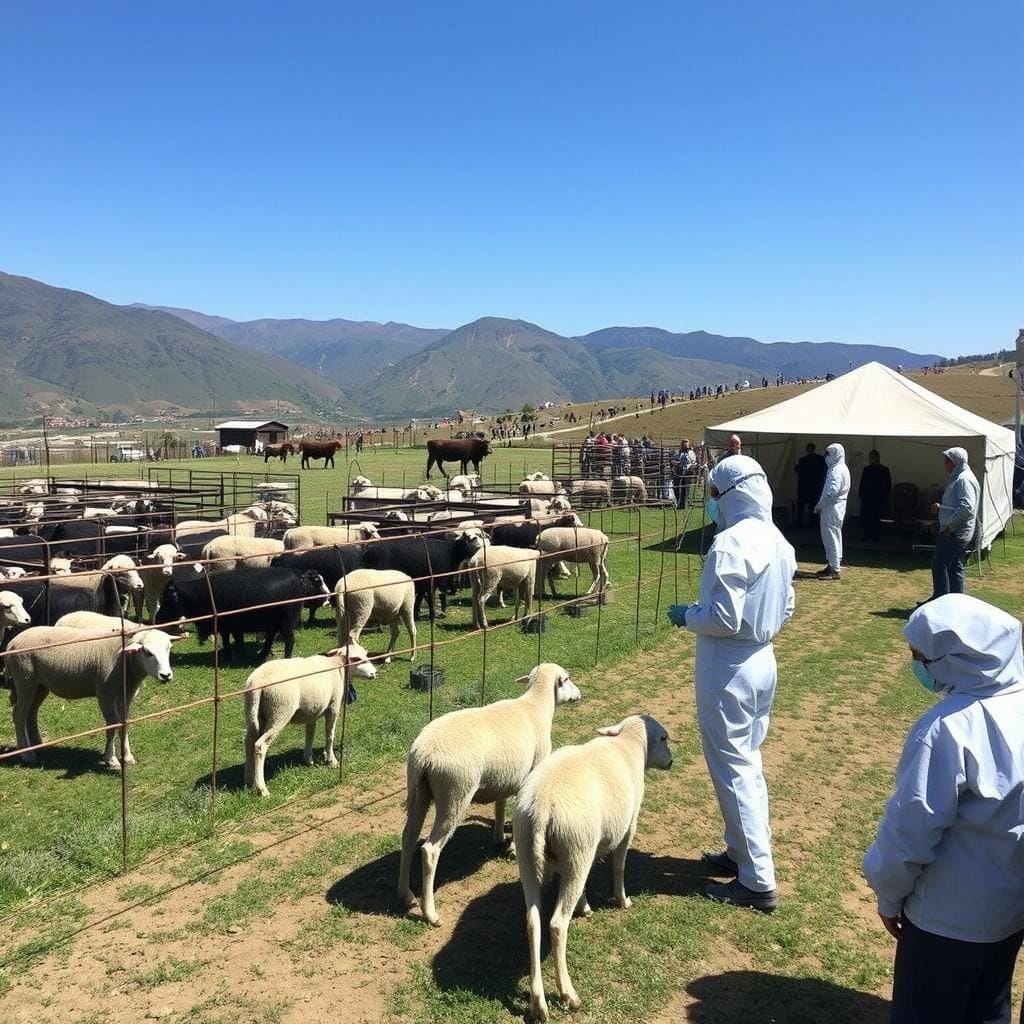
<point>133,648</point>
<point>176,638</point>
<point>610,730</point>
<point>523,680</point>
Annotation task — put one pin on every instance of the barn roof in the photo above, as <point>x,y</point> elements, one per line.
<point>249,424</point>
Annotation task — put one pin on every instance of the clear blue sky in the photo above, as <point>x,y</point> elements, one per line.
<point>792,171</point>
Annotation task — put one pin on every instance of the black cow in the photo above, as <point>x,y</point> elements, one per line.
<point>428,560</point>
<point>462,450</point>
<point>246,601</point>
<point>330,562</point>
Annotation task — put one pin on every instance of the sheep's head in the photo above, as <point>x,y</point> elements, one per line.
<point>361,483</point>
<point>60,566</point>
<point>658,754</point>
<point>550,674</point>
<point>12,610</point>
<point>153,646</point>
<point>357,660</point>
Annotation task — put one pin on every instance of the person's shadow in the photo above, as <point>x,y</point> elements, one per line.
<point>755,997</point>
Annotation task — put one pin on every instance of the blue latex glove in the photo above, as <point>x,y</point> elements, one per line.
<point>677,614</point>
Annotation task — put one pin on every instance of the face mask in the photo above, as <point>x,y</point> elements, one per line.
<point>713,511</point>
<point>925,678</point>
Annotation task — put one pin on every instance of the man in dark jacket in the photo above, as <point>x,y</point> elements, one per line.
<point>810,478</point>
<point>874,493</point>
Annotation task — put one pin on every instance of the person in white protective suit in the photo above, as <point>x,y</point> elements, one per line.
<point>831,508</point>
<point>746,595</point>
<point>948,864</point>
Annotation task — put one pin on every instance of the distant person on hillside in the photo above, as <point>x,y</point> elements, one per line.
<point>948,863</point>
<point>958,523</point>
<point>874,493</point>
<point>832,508</point>
<point>810,470</point>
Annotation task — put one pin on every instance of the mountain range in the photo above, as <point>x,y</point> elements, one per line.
<point>77,354</point>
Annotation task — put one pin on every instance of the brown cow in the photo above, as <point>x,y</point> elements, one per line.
<point>462,450</point>
<point>319,450</point>
<point>278,451</point>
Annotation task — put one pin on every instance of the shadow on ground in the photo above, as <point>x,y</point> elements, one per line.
<point>72,761</point>
<point>755,997</point>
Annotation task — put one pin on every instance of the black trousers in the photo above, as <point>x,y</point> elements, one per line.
<point>871,519</point>
<point>946,981</point>
<point>806,500</point>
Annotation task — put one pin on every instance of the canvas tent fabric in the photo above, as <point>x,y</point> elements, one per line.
<point>875,407</point>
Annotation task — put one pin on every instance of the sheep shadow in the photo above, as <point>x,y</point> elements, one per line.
<point>372,888</point>
<point>72,761</point>
<point>232,777</point>
<point>753,997</point>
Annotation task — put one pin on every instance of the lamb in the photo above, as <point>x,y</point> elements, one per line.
<point>475,755</point>
<point>380,595</point>
<point>226,553</point>
<point>299,690</point>
<point>591,492</point>
<point>12,614</point>
<point>156,574</point>
<point>572,544</point>
<point>629,489</point>
<point>61,661</point>
<point>313,536</point>
<point>495,568</point>
<point>580,804</point>
<point>125,570</point>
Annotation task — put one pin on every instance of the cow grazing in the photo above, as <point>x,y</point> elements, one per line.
<point>462,450</point>
<point>319,450</point>
<point>278,451</point>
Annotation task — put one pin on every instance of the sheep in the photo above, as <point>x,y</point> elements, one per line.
<point>97,623</point>
<point>360,483</point>
<point>61,566</point>
<point>124,568</point>
<point>12,614</point>
<point>495,568</point>
<point>33,487</point>
<point>467,483</point>
<point>378,595</point>
<point>629,489</point>
<point>315,536</point>
<point>61,661</point>
<point>580,804</point>
<point>537,476</point>
<point>298,690</point>
<point>6,531</point>
<point>475,755</point>
<point>396,515</point>
<point>572,544</point>
<point>156,573</point>
<point>13,572</point>
<point>241,524</point>
<point>226,553</point>
<point>591,492</point>
<point>560,503</point>
<point>427,492</point>
<point>541,488</point>
<point>94,512</point>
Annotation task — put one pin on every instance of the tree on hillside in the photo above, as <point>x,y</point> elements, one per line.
<point>527,414</point>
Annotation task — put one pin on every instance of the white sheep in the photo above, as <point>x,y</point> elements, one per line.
<point>475,755</point>
<point>240,524</point>
<point>94,512</point>
<point>537,476</point>
<point>378,595</point>
<point>542,488</point>
<point>6,531</point>
<point>465,482</point>
<point>396,515</point>
<point>579,544</point>
<point>125,566</point>
<point>629,490</point>
<point>72,666</point>
<point>360,483</point>
<point>12,614</point>
<point>591,492</point>
<point>560,503</point>
<point>226,553</point>
<point>427,492</point>
<point>156,571</point>
<point>580,804</point>
<point>495,568</point>
<point>300,537</point>
<point>61,566</point>
<point>301,691</point>
<point>13,572</point>
<point>94,622</point>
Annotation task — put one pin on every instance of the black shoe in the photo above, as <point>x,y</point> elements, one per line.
<point>822,573</point>
<point>735,894</point>
<point>921,604</point>
<point>719,864</point>
<point>828,574</point>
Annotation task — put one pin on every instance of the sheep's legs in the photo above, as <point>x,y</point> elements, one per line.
<point>28,699</point>
<point>330,722</point>
<point>251,735</point>
<point>410,625</point>
<point>109,710</point>
<point>450,812</point>
<point>307,753</point>
<point>531,892</point>
<point>619,871</point>
<point>570,893</point>
<point>417,805</point>
<point>500,840</point>
<point>259,750</point>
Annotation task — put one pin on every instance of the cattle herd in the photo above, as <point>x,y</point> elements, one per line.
<point>95,598</point>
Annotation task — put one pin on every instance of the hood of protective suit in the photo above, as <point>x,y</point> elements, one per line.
<point>743,491</point>
<point>835,455</point>
<point>973,647</point>
<point>958,456</point>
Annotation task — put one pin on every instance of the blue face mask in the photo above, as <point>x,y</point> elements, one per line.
<point>925,677</point>
<point>713,511</point>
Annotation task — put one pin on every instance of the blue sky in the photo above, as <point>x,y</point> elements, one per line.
<point>792,171</point>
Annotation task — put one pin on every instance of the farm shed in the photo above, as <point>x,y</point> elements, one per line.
<point>247,432</point>
<point>875,407</point>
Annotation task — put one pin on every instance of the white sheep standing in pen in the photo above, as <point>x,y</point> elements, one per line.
<point>580,804</point>
<point>97,623</point>
<point>496,568</point>
<point>591,492</point>
<point>629,490</point>
<point>157,571</point>
<point>475,755</point>
<point>226,553</point>
<point>375,595</point>
<point>465,482</point>
<point>12,615</point>
<point>300,691</point>
<point>540,488</point>
<point>71,665</point>
<point>126,567</point>
<point>300,537</point>
<point>572,544</point>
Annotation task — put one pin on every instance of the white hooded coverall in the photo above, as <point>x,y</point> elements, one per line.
<point>746,594</point>
<point>832,504</point>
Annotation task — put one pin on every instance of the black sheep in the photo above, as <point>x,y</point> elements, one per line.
<point>428,560</point>
<point>330,562</point>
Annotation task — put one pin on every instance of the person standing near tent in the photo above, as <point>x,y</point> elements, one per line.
<point>831,507</point>
<point>874,493</point>
<point>948,863</point>
<point>958,523</point>
<point>684,466</point>
<point>810,478</point>
<point>746,596</point>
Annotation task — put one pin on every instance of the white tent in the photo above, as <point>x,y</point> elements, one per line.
<point>875,407</point>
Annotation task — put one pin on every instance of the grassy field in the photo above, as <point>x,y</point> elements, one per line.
<point>240,909</point>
